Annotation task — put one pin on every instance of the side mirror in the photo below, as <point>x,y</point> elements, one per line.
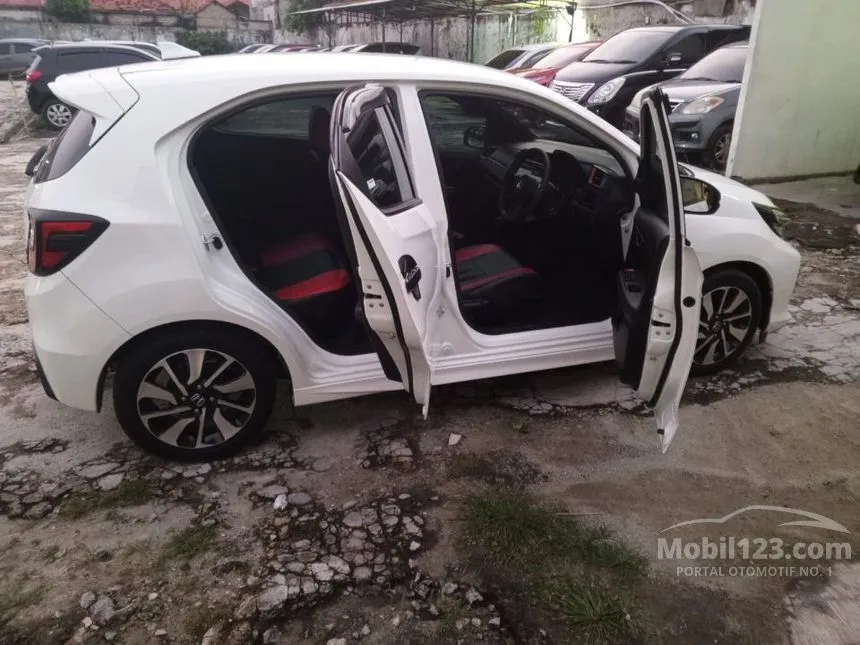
<point>475,136</point>
<point>672,59</point>
<point>700,198</point>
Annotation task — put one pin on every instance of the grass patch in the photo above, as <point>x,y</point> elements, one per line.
<point>190,542</point>
<point>598,616</point>
<point>574,574</point>
<point>131,492</point>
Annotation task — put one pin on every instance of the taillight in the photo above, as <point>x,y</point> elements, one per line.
<point>33,76</point>
<point>544,78</point>
<point>55,239</point>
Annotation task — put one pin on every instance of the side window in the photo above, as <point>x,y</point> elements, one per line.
<point>289,118</point>
<point>450,123</point>
<point>651,182</point>
<point>20,48</point>
<point>5,48</point>
<point>383,171</point>
<point>691,48</point>
<point>110,58</point>
<point>77,61</point>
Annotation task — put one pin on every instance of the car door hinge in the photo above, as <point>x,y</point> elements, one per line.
<point>213,241</point>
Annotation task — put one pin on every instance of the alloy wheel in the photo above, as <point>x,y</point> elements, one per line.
<point>196,398</point>
<point>58,115</point>
<point>721,149</point>
<point>724,324</point>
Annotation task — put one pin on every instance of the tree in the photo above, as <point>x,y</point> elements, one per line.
<point>206,42</point>
<point>305,22</point>
<point>68,10</point>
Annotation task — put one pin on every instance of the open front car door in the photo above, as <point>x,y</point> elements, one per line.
<point>660,284</point>
<point>392,237</point>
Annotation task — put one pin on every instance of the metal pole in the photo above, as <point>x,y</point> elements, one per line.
<point>473,21</point>
<point>432,36</point>
<point>383,30</point>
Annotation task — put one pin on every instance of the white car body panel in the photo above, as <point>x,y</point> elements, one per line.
<point>160,273</point>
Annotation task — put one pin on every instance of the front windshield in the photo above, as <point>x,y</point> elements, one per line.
<point>561,57</point>
<point>725,65</point>
<point>632,46</point>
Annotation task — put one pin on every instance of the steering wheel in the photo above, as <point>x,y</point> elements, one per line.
<point>522,190</point>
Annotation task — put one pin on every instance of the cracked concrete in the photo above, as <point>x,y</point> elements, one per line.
<point>307,535</point>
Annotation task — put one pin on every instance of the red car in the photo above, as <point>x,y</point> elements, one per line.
<point>544,70</point>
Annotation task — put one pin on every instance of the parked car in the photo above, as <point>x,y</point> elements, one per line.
<point>264,49</point>
<point>173,51</point>
<point>521,57</point>
<point>544,71</point>
<point>287,47</point>
<point>149,48</point>
<point>345,48</point>
<point>392,251</point>
<point>704,100</point>
<point>250,49</point>
<point>16,54</point>
<point>53,60</point>
<point>388,48</point>
<point>606,80</point>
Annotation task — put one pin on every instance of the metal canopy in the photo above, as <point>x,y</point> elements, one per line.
<point>403,10</point>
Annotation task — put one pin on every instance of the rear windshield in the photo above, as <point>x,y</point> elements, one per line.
<point>67,149</point>
<point>629,47</point>
<point>725,65</point>
<point>505,58</point>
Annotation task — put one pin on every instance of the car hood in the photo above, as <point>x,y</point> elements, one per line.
<point>731,190</point>
<point>532,73</point>
<point>583,72</point>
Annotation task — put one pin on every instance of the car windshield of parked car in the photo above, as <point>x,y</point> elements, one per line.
<point>561,57</point>
<point>502,60</point>
<point>724,65</point>
<point>629,47</point>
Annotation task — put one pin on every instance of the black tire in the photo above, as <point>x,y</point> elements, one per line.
<point>720,289</point>
<point>139,371</point>
<point>717,152</point>
<point>56,114</point>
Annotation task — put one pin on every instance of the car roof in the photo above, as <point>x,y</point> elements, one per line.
<point>697,26</point>
<point>94,44</point>
<point>23,40</point>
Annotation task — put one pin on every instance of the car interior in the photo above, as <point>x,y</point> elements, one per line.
<point>533,208</point>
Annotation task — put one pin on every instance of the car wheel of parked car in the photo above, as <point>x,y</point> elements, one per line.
<point>195,395</point>
<point>717,154</point>
<point>57,114</point>
<point>730,317</point>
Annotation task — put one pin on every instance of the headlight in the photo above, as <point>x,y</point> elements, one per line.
<point>772,216</point>
<point>702,105</point>
<point>606,91</point>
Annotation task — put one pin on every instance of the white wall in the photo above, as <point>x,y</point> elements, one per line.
<point>799,113</point>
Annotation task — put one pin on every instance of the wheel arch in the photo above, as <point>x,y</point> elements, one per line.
<point>149,334</point>
<point>761,278</point>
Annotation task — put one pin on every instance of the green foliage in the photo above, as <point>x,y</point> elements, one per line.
<point>206,42</point>
<point>303,23</point>
<point>68,10</point>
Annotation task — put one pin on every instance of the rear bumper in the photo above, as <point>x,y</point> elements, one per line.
<point>72,338</point>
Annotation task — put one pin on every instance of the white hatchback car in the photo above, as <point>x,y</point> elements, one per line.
<point>363,223</point>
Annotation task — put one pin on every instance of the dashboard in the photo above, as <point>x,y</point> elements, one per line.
<point>581,177</point>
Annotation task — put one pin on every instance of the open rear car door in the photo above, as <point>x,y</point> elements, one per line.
<point>393,238</point>
<point>660,284</point>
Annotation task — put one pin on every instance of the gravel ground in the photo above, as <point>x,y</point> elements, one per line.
<point>341,526</point>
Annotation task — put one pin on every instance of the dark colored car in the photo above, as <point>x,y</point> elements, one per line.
<point>544,71</point>
<point>16,54</point>
<point>53,60</point>
<point>389,48</point>
<point>606,80</point>
<point>704,100</point>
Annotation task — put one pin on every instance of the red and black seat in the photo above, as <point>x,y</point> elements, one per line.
<point>494,287</point>
<point>308,275</point>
